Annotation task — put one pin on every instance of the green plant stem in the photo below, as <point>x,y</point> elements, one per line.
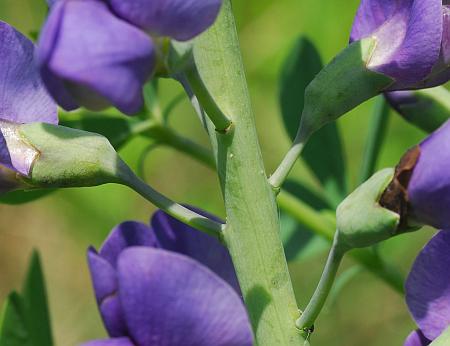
<point>314,221</point>
<point>176,210</point>
<point>167,136</point>
<point>375,137</point>
<point>315,305</point>
<point>302,212</point>
<point>281,173</point>
<point>252,231</point>
<point>218,118</point>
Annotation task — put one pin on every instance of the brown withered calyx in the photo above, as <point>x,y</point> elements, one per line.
<point>395,197</point>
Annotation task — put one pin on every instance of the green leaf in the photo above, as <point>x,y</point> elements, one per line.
<point>35,301</point>
<point>117,130</point>
<point>13,328</point>
<point>22,197</point>
<point>443,339</point>
<point>301,66</point>
<point>299,242</point>
<point>375,137</point>
<point>324,152</point>
<point>25,318</point>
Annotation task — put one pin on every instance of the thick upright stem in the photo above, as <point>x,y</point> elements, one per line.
<point>252,233</point>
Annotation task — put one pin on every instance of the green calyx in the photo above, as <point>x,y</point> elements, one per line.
<point>70,158</point>
<point>361,220</point>
<point>342,85</point>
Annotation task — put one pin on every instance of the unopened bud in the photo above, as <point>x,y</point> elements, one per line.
<point>361,220</point>
<point>70,158</point>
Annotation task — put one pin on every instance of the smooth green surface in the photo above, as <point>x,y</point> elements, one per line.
<point>25,319</point>
<point>323,289</point>
<point>34,296</point>
<point>361,221</point>
<point>252,233</point>
<point>352,83</point>
<point>323,152</point>
<point>325,227</point>
<point>13,328</point>
<point>69,157</point>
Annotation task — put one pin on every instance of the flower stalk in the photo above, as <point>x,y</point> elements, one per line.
<point>218,118</point>
<point>252,232</point>
<point>175,210</point>
<point>315,305</point>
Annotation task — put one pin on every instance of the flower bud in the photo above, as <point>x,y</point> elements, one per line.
<point>65,157</point>
<point>361,220</point>
<point>427,109</point>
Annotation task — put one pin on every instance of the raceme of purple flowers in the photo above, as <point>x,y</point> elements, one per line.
<point>165,285</point>
<point>96,53</point>
<point>428,290</point>
<point>412,37</point>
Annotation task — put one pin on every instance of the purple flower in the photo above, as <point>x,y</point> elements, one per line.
<point>23,98</point>
<point>93,53</point>
<point>428,290</point>
<point>89,57</point>
<point>165,285</point>
<point>416,338</point>
<point>179,19</point>
<point>412,40</point>
<point>429,185</point>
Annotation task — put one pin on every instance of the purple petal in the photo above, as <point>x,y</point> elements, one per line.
<point>110,342</point>
<point>113,317</point>
<point>90,57</point>
<point>103,276</point>
<point>126,234</point>
<point>23,98</point>
<point>445,49</point>
<point>409,34</point>
<point>174,235</point>
<point>179,19</point>
<point>104,279</point>
<point>15,153</point>
<point>416,338</point>
<point>428,286</point>
<point>170,299</point>
<point>429,187</point>
<point>441,71</point>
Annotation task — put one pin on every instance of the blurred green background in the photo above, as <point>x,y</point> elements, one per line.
<point>64,224</point>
